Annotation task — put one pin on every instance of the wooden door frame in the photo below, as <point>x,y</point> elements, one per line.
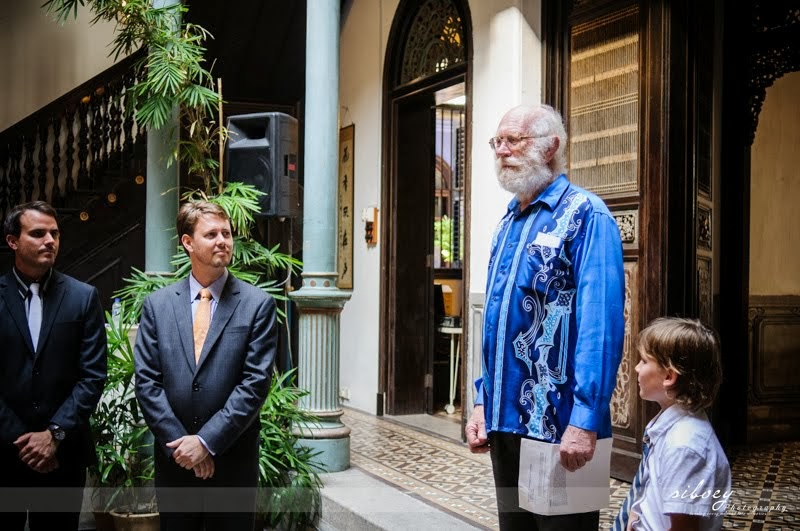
<point>391,93</point>
<point>389,219</point>
<point>754,57</point>
<point>750,63</point>
<point>667,277</point>
<point>735,220</point>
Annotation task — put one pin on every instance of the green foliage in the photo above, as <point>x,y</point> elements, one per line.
<point>173,77</point>
<point>137,287</point>
<point>289,480</point>
<point>289,496</point>
<point>174,73</point>
<point>238,200</point>
<point>443,238</point>
<point>123,444</point>
<point>252,262</point>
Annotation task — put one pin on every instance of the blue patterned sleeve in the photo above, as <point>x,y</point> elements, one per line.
<point>478,391</point>
<point>600,284</point>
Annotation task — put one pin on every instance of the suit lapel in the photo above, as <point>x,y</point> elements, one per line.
<point>225,307</point>
<point>16,307</point>
<point>182,306</point>
<point>52,303</point>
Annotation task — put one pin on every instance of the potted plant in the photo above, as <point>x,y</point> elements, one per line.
<point>289,482</point>
<point>123,474</point>
<point>175,76</point>
<point>289,495</point>
<point>252,262</point>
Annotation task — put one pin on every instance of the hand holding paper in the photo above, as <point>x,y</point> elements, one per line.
<point>577,447</point>
<point>547,488</point>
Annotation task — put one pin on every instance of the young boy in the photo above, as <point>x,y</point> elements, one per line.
<point>685,477</point>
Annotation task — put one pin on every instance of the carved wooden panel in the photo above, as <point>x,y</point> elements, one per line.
<point>775,52</point>
<point>604,103</point>
<point>704,287</point>
<point>625,397</point>
<point>596,69</point>
<point>704,227</point>
<point>703,91</point>
<point>774,325</point>
<point>628,225</point>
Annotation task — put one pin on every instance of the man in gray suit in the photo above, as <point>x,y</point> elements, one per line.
<point>202,375</point>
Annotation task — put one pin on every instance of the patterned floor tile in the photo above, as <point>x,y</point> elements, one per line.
<point>444,473</point>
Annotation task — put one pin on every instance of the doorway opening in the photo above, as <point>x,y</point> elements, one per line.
<point>425,214</point>
<point>448,249</point>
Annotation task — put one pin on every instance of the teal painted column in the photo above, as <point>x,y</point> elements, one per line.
<point>319,300</point>
<point>162,199</point>
<point>162,190</point>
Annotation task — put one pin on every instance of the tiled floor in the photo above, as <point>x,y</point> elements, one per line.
<point>441,471</point>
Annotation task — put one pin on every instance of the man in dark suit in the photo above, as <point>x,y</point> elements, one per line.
<point>52,372</point>
<point>203,359</point>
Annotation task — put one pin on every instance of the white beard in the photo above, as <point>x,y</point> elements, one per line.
<point>525,176</point>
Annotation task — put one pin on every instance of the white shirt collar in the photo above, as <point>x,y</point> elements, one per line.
<point>215,288</point>
<point>662,422</point>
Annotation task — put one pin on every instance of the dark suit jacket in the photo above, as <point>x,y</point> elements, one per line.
<point>220,398</point>
<point>62,381</point>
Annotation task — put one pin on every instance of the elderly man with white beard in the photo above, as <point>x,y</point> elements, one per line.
<point>553,317</point>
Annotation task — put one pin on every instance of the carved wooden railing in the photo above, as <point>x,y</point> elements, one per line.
<point>68,152</point>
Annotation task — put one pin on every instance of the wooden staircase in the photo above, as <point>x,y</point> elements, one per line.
<point>86,156</point>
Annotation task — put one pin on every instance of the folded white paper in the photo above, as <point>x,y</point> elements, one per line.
<point>547,240</point>
<point>547,488</point>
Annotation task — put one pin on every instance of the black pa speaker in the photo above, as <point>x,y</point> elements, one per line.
<point>262,151</point>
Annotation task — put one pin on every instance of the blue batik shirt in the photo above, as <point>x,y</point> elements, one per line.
<point>553,321</point>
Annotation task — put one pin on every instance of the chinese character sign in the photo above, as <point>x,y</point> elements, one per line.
<point>345,211</point>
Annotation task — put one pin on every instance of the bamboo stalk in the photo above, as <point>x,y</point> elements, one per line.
<point>221,135</point>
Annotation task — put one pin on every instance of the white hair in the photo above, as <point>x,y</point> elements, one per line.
<point>547,122</point>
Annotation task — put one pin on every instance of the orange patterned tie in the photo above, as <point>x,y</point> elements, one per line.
<point>202,319</point>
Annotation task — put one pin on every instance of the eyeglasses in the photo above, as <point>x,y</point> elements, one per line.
<point>510,141</point>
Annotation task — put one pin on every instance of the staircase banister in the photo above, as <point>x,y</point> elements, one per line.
<point>73,98</point>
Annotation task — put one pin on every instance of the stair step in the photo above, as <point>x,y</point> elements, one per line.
<point>355,500</point>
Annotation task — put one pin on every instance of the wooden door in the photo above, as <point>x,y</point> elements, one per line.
<point>627,76</point>
<point>411,319</point>
<point>603,119</point>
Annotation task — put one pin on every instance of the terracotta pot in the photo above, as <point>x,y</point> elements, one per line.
<point>103,521</point>
<point>136,521</point>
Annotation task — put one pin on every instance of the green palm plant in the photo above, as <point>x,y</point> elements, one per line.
<point>174,77</point>
<point>252,262</point>
<point>289,479</point>
<point>123,444</point>
<point>174,72</point>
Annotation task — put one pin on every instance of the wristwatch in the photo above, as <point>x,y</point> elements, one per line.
<point>58,432</point>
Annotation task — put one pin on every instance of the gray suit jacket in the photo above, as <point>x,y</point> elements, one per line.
<point>220,398</point>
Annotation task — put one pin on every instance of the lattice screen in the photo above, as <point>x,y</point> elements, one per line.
<point>435,41</point>
<point>604,103</point>
<point>449,188</point>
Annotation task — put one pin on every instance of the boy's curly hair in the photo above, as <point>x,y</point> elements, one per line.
<point>691,349</point>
